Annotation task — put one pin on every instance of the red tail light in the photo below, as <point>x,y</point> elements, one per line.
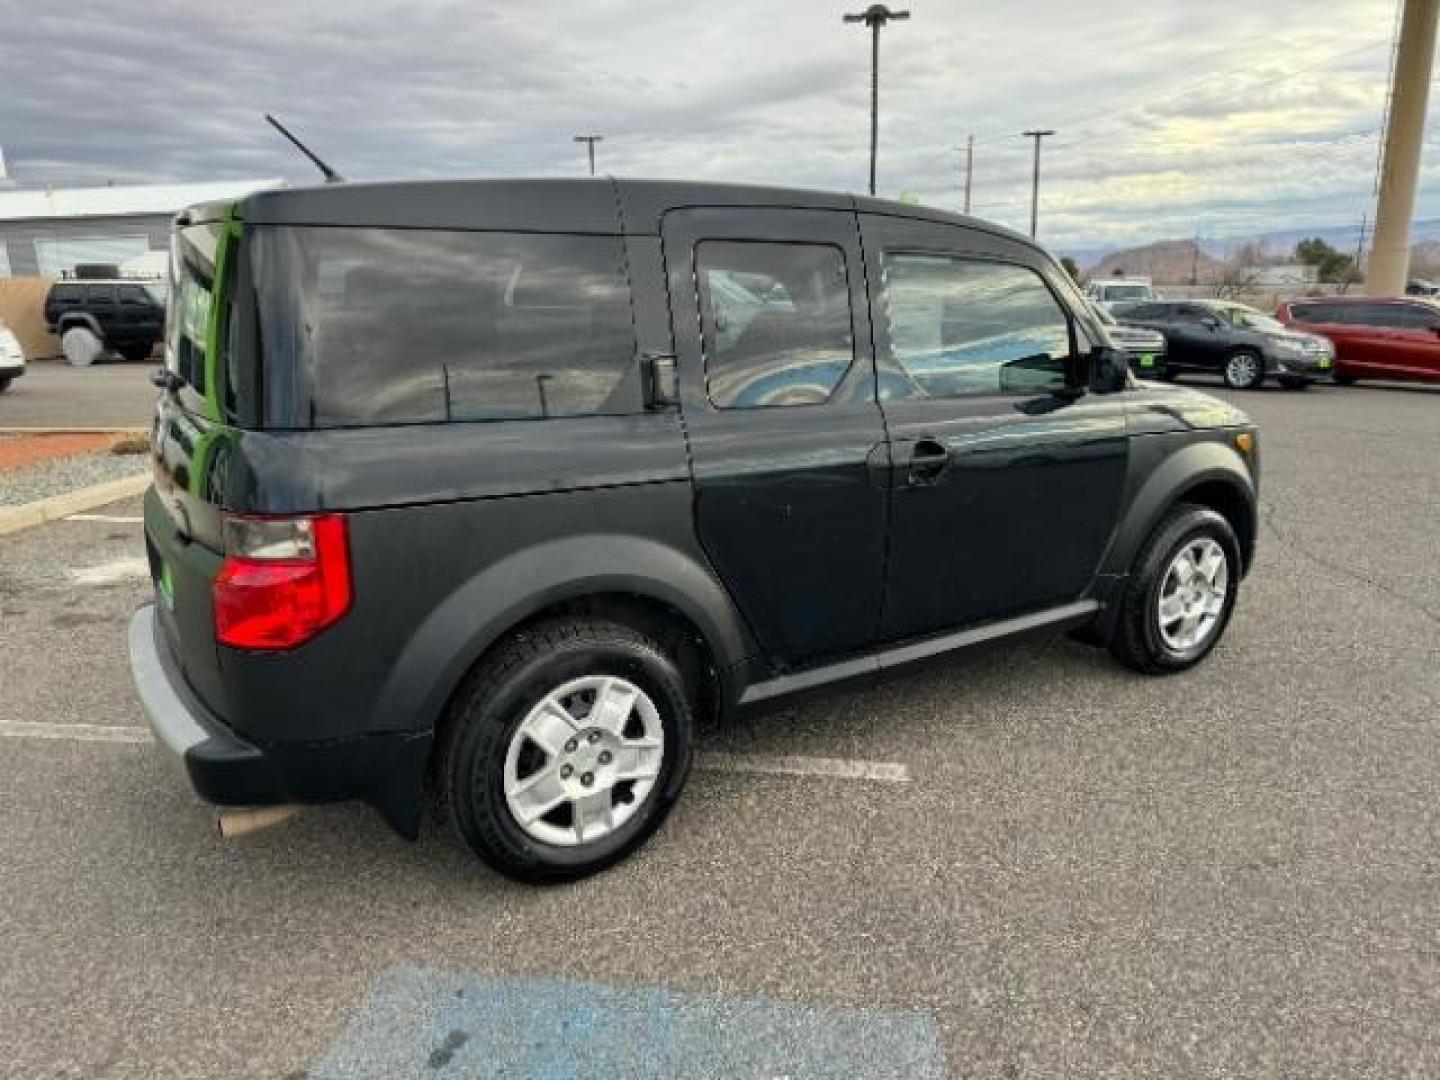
<point>282,582</point>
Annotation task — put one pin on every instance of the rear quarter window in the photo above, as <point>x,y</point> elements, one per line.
<point>393,326</point>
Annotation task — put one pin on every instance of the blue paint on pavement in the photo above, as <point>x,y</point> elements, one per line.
<point>434,1026</point>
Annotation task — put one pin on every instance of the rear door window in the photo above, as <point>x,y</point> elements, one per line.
<point>776,322</point>
<point>394,326</point>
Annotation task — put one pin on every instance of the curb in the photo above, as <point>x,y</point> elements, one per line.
<point>28,515</point>
<point>74,431</point>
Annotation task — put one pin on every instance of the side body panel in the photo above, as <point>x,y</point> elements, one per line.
<point>1021,515</point>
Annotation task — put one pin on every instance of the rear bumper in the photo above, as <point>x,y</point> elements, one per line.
<point>385,770</point>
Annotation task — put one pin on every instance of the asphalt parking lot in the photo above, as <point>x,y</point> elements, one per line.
<point>52,394</point>
<point>1234,872</point>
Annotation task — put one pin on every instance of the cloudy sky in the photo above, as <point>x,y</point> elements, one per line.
<point>1233,116</point>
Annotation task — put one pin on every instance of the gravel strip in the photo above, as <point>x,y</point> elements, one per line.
<point>38,481</point>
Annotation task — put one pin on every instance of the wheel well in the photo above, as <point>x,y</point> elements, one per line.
<point>667,625</point>
<point>1229,502</point>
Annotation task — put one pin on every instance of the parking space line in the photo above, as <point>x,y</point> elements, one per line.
<point>783,765</point>
<point>111,733</point>
<point>110,572</point>
<point>893,772</point>
<point>109,519</point>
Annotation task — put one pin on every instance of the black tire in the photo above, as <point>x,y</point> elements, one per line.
<point>1295,384</point>
<point>1345,380</point>
<point>5,384</point>
<point>1137,642</point>
<point>1256,374</point>
<point>469,777</point>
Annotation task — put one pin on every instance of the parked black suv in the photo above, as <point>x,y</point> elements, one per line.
<point>92,317</point>
<point>491,488</point>
<point>1242,345</point>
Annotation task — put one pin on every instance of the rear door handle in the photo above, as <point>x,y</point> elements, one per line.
<point>927,462</point>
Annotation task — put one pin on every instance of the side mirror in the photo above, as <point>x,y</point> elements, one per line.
<point>1109,370</point>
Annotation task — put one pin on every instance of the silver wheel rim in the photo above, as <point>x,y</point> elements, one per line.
<point>583,760</point>
<point>1241,369</point>
<point>1192,594</point>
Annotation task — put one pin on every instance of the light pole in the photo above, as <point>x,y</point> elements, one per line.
<point>590,141</point>
<point>875,16</point>
<point>1035,180</point>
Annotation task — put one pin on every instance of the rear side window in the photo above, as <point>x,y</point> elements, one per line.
<point>395,326</point>
<point>964,326</point>
<point>1415,317</point>
<point>100,295</point>
<point>776,322</point>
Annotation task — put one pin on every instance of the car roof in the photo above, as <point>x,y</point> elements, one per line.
<point>585,205</point>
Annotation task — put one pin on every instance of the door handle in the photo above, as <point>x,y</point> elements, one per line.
<point>927,462</point>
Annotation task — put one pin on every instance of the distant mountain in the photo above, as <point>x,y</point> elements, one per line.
<point>1425,235</point>
<point>1168,262</point>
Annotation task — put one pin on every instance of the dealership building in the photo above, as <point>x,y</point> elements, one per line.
<point>47,231</point>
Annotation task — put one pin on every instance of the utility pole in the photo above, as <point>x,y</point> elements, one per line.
<point>1404,133</point>
<point>1195,258</point>
<point>969,168</point>
<point>1360,246</point>
<point>875,16</point>
<point>1035,178</point>
<point>590,141</point>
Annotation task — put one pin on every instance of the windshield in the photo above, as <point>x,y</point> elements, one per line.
<point>1125,292</point>
<point>1247,318</point>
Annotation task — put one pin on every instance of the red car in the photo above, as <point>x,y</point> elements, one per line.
<point>1375,337</point>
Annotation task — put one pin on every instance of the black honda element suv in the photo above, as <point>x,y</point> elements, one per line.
<point>489,490</point>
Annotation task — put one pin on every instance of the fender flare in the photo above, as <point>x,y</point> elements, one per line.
<point>472,618</point>
<point>1180,472</point>
<point>79,318</point>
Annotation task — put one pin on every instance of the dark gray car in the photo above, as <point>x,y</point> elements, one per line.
<point>491,489</point>
<point>1242,345</point>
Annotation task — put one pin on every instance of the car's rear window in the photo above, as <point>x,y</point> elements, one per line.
<point>396,326</point>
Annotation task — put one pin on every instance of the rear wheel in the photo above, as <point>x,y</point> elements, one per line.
<point>1244,370</point>
<point>1180,594</point>
<point>566,749</point>
<point>5,384</point>
<point>81,347</point>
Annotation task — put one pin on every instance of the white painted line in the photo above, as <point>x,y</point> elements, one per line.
<point>892,772</point>
<point>827,768</point>
<point>111,519</point>
<point>111,572</point>
<point>76,732</point>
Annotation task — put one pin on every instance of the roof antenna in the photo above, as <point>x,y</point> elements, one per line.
<point>331,176</point>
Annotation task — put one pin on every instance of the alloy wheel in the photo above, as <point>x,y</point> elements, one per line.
<point>1192,594</point>
<point>1241,370</point>
<point>583,760</point>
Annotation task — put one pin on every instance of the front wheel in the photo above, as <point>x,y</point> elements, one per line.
<point>1244,370</point>
<point>1181,593</point>
<point>5,383</point>
<point>566,749</point>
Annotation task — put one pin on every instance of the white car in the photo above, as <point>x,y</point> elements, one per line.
<point>1111,291</point>
<point>12,360</point>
